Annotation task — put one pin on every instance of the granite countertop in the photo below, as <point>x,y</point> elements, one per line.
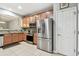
<point>14,32</point>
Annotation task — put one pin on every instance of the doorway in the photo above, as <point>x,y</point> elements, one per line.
<point>67,31</point>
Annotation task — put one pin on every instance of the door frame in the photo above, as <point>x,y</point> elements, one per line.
<point>76,30</point>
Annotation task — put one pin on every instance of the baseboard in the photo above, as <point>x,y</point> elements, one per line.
<point>55,51</point>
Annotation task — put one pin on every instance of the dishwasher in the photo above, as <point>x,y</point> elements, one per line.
<point>1,39</point>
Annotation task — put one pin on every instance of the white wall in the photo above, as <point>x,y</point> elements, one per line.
<point>15,24</point>
<point>4,26</point>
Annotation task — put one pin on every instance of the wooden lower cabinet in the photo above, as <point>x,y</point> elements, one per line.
<point>14,37</point>
<point>7,39</point>
<point>20,36</point>
<point>35,38</point>
<point>24,36</point>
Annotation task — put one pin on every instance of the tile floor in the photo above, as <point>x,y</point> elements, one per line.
<point>23,49</point>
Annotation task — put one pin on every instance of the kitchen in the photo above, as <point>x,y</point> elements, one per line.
<point>42,29</point>
<point>16,28</point>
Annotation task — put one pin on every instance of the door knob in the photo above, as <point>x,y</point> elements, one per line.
<point>59,34</point>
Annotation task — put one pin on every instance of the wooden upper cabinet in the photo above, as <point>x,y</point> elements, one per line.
<point>46,14</point>
<point>32,19</point>
<point>25,22</point>
<point>37,17</point>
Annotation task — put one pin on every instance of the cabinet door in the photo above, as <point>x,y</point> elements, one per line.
<point>20,35</point>
<point>37,17</point>
<point>25,22</point>
<point>31,19</point>
<point>24,36</point>
<point>15,37</point>
<point>35,38</point>
<point>7,39</point>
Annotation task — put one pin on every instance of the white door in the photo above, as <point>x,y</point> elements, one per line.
<point>66,31</point>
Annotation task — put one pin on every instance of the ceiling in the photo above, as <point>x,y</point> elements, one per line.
<point>20,9</point>
<point>7,15</point>
<point>7,18</point>
<point>25,8</point>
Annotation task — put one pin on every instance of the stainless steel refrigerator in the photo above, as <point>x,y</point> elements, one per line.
<point>45,34</point>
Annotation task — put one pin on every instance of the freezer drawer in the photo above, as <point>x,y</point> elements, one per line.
<point>45,44</point>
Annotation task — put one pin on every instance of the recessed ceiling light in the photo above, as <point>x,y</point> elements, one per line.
<point>19,7</point>
<point>48,12</point>
<point>2,22</point>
